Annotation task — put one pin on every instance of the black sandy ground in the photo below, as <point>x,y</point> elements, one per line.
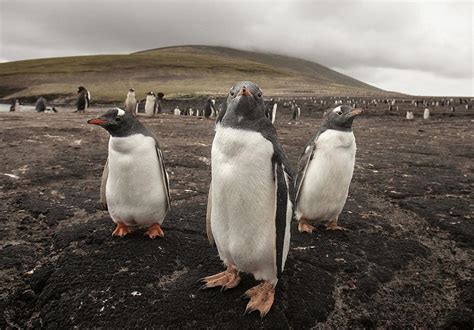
<point>406,259</point>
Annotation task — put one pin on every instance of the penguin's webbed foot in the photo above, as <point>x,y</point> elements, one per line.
<point>227,280</point>
<point>261,298</point>
<point>155,231</point>
<point>121,230</point>
<point>305,227</point>
<point>332,225</point>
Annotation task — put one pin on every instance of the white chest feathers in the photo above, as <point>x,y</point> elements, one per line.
<point>135,190</point>
<point>243,201</point>
<point>150,104</point>
<point>328,176</point>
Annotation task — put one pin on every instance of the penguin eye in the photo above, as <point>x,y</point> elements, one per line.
<point>339,113</point>
<point>259,94</point>
<point>118,119</point>
<point>231,92</point>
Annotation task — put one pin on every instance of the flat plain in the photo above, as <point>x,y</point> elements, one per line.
<point>406,258</point>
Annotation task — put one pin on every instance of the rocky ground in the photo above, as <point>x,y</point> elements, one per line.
<point>406,258</point>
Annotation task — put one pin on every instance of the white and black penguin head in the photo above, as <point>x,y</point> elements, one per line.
<point>151,93</point>
<point>245,99</point>
<point>81,89</point>
<point>341,118</point>
<point>131,90</point>
<point>117,122</point>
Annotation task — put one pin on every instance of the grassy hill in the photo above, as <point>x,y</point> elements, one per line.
<point>180,71</point>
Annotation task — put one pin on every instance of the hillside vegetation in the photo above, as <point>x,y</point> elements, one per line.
<point>183,71</point>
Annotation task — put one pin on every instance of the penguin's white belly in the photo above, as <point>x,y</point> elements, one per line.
<point>135,190</point>
<point>149,106</point>
<point>130,104</point>
<point>329,174</point>
<point>243,201</point>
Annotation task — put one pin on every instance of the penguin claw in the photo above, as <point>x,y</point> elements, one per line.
<point>304,227</point>
<point>261,299</point>
<point>226,280</point>
<point>155,231</point>
<point>332,225</point>
<point>121,230</point>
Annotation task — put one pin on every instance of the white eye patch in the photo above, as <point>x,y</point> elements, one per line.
<point>337,109</point>
<point>120,112</point>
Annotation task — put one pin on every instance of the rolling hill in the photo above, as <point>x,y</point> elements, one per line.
<point>181,71</point>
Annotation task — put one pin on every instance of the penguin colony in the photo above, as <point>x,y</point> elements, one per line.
<point>250,230</point>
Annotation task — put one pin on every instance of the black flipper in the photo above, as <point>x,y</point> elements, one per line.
<point>303,164</point>
<point>103,184</point>
<point>281,201</point>
<point>164,175</point>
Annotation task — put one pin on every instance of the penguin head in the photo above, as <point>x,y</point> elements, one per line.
<point>246,99</point>
<point>116,121</point>
<point>341,118</point>
<point>80,89</point>
<point>131,90</point>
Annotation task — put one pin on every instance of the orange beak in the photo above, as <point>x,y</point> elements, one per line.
<point>244,91</point>
<point>97,121</point>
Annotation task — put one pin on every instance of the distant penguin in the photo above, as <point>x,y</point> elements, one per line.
<point>140,106</point>
<point>159,99</point>
<point>41,104</point>
<point>209,108</point>
<point>426,113</point>
<point>83,99</point>
<point>150,104</point>
<point>135,186</point>
<point>274,112</point>
<point>296,112</point>
<point>177,112</point>
<point>214,110</point>
<point>15,105</point>
<point>410,115</point>
<point>325,170</point>
<point>131,102</point>
<point>249,207</point>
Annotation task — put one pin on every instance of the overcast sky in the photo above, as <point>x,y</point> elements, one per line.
<point>416,47</point>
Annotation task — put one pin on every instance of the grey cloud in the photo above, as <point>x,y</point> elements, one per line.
<point>430,38</point>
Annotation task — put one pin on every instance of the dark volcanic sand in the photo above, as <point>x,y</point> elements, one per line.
<point>406,259</point>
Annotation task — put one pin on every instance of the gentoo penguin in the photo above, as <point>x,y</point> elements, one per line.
<point>135,186</point>
<point>325,170</point>
<point>150,104</point>
<point>210,108</point>
<point>274,112</point>
<point>131,102</point>
<point>159,99</point>
<point>83,99</point>
<point>249,206</point>
<point>41,104</point>
<point>426,113</point>
<point>16,106</point>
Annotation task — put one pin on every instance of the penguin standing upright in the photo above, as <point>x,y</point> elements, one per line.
<point>274,112</point>
<point>325,170</point>
<point>210,107</point>
<point>249,206</point>
<point>83,99</point>
<point>150,104</point>
<point>131,102</point>
<point>135,186</point>
<point>41,104</point>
